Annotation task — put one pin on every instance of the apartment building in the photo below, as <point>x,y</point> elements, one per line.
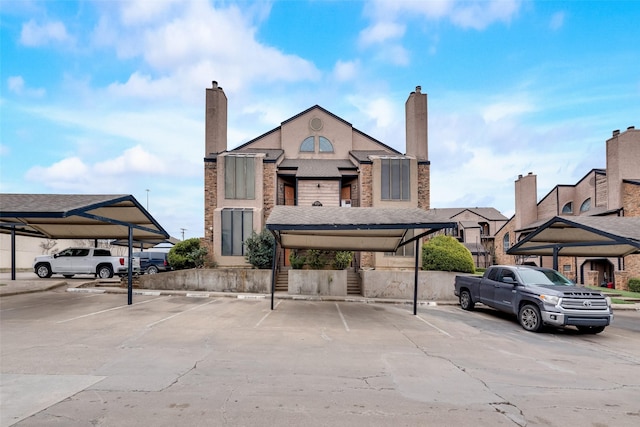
<point>313,158</point>
<point>613,191</point>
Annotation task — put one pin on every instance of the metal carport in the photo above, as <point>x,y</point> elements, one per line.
<point>78,216</point>
<point>351,229</point>
<point>582,236</point>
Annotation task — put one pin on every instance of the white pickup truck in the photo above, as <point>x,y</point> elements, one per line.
<point>72,261</point>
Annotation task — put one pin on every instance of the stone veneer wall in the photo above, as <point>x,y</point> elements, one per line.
<point>269,189</point>
<point>210,203</point>
<point>366,201</point>
<point>424,186</point>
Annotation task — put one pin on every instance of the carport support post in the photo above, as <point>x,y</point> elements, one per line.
<point>273,272</point>
<point>415,281</point>
<point>556,249</point>
<point>13,253</point>
<point>130,269</point>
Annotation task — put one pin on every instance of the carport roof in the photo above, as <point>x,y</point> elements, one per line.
<point>76,216</point>
<point>350,229</point>
<point>602,236</point>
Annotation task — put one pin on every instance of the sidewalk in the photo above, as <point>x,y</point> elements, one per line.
<point>29,283</point>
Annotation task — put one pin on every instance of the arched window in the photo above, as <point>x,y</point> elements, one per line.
<point>568,208</point>
<point>506,243</point>
<point>308,145</point>
<point>325,145</point>
<point>586,205</point>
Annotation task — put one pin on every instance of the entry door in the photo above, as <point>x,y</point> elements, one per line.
<point>345,193</point>
<point>289,195</point>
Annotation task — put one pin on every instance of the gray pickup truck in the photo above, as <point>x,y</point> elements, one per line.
<point>538,296</point>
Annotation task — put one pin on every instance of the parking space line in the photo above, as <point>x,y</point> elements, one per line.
<point>109,309</point>
<point>344,322</point>
<point>182,312</point>
<point>434,326</point>
<point>267,315</point>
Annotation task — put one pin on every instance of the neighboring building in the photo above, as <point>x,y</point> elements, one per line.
<point>476,230</point>
<point>314,157</point>
<point>614,191</point>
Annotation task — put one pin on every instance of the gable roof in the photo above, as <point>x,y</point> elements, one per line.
<point>315,107</point>
<point>490,214</point>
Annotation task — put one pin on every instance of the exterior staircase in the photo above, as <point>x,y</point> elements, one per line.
<point>354,286</point>
<point>282,281</point>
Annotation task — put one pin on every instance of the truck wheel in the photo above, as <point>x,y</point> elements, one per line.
<point>465,300</point>
<point>105,272</point>
<point>529,317</point>
<point>591,329</point>
<point>152,269</point>
<point>43,271</point>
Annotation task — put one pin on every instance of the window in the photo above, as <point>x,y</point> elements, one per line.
<point>568,208</point>
<point>325,145</point>
<point>506,243</point>
<point>406,250</point>
<point>586,205</point>
<point>395,178</point>
<point>308,145</point>
<point>237,225</point>
<point>239,177</point>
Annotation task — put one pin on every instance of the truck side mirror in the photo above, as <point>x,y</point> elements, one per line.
<point>509,280</point>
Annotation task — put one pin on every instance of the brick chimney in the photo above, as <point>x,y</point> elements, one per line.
<point>623,157</point>
<point>526,200</point>
<point>215,135</point>
<point>417,125</point>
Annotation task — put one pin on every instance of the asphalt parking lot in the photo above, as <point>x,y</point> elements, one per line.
<point>84,359</point>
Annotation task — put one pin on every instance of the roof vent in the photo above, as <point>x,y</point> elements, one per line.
<point>616,132</point>
<point>631,128</point>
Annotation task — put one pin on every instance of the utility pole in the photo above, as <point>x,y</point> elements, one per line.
<point>183,230</point>
<point>147,190</point>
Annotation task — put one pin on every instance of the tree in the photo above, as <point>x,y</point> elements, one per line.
<point>187,254</point>
<point>259,249</point>
<point>445,253</point>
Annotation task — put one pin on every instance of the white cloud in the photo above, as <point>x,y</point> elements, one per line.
<point>346,70</point>
<point>190,46</point>
<point>70,174</point>
<point>16,85</point>
<point>34,34</point>
<point>134,160</point>
<point>557,21</point>
<point>380,32</point>
<point>500,110</point>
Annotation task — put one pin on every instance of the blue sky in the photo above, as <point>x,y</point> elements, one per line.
<point>107,97</point>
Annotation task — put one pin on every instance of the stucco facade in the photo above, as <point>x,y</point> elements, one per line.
<point>613,191</point>
<point>313,158</point>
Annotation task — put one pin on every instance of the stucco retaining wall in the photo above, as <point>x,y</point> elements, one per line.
<point>432,285</point>
<point>214,280</point>
<point>318,282</point>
